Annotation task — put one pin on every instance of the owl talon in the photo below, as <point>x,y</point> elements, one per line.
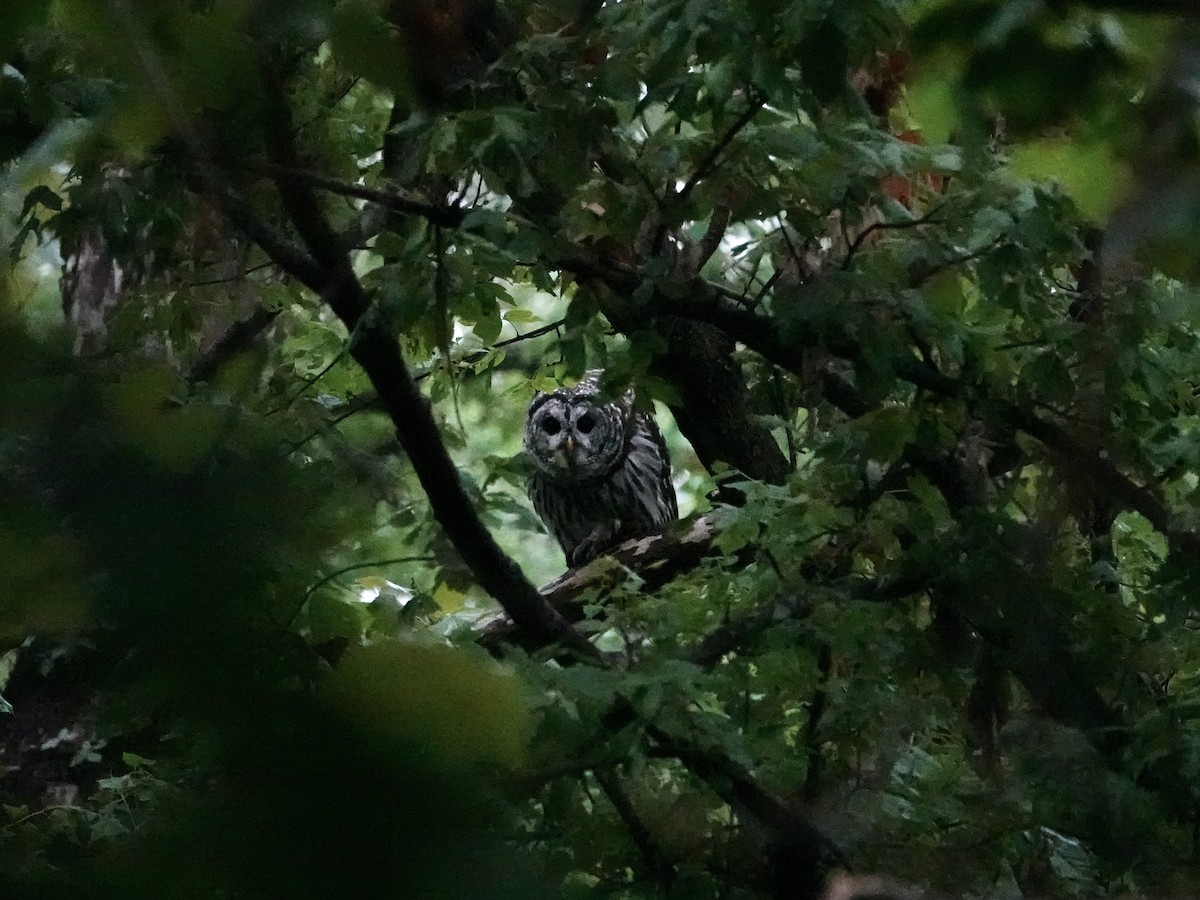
<point>602,538</point>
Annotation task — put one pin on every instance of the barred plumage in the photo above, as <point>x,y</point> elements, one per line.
<point>601,471</point>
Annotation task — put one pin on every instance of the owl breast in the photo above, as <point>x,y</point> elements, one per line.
<point>601,471</point>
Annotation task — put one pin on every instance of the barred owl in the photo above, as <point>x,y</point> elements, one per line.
<point>601,472</point>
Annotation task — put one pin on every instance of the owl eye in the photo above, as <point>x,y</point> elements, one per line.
<point>586,423</point>
<point>551,426</point>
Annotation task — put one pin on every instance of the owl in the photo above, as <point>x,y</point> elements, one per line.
<point>601,471</point>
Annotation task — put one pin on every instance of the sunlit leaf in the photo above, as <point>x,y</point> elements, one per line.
<point>1089,172</point>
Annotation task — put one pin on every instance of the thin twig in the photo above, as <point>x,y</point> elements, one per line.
<point>816,710</point>
<point>364,404</point>
<point>793,250</point>
<point>232,278</point>
<point>66,807</point>
<point>709,162</point>
<point>334,101</point>
<point>309,382</point>
<point>766,289</point>
<point>375,563</point>
<point>421,375</point>
<point>854,245</point>
<point>440,214</point>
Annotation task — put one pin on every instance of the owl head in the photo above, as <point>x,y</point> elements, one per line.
<point>573,436</point>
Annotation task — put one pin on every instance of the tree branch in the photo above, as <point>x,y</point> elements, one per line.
<point>710,159</point>
<point>238,338</point>
<point>656,559</point>
<point>444,215</point>
<point>705,302</point>
<point>799,854</point>
<point>659,865</point>
<point>701,252</point>
<point>330,275</point>
<point>871,229</point>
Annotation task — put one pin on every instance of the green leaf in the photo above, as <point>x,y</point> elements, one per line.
<point>41,195</point>
<point>369,46</point>
<point>331,618</point>
<point>487,329</point>
<point>1049,376</point>
<point>886,432</point>
<point>521,316</point>
<point>737,529</point>
<point>930,100</point>
<point>988,224</point>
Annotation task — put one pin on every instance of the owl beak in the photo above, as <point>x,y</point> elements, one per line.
<point>570,445</point>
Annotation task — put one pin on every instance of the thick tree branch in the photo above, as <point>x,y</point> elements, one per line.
<point>799,855</point>
<point>330,275</point>
<point>702,251</point>
<point>293,259</point>
<point>656,559</point>
<point>714,411</point>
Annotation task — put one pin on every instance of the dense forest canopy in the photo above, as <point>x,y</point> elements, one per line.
<point>912,288</point>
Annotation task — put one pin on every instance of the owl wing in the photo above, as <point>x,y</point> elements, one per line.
<point>564,510</point>
<point>644,480</point>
